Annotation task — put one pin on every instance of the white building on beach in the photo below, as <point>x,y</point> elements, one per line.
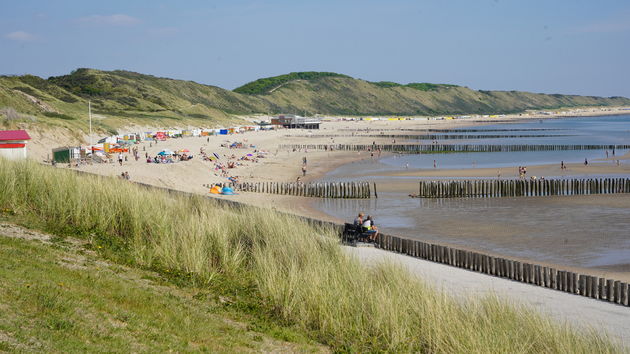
<point>13,144</point>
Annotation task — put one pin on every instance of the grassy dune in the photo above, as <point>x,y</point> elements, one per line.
<point>301,274</point>
<point>58,296</point>
<point>120,98</point>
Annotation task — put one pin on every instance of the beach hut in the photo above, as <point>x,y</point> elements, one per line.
<point>66,154</point>
<point>13,144</point>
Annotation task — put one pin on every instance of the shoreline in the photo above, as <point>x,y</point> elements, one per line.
<point>285,166</point>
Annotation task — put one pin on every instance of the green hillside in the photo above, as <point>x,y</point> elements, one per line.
<point>121,98</point>
<point>268,84</point>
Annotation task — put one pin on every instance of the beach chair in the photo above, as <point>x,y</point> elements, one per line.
<point>350,233</point>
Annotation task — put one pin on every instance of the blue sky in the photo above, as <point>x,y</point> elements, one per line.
<point>573,47</point>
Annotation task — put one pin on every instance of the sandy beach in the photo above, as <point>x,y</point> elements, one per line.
<point>280,165</point>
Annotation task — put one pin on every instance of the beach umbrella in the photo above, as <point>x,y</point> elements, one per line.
<point>165,152</point>
<point>227,191</point>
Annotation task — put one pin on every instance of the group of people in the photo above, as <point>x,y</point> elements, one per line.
<point>368,226</point>
<point>168,158</point>
<point>522,172</point>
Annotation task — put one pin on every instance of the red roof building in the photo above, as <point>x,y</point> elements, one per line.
<point>13,144</point>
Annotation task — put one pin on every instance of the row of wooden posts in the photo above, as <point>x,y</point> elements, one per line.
<point>431,136</point>
<point>445,148</point>
<point>581,284</point>
<point>359,190</point>
<point>462,130</point>
<point>526,187</point>
<point>591,286</point>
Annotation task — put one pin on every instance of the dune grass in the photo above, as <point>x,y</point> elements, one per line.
<point>301,273</point>
<point>59,297</point>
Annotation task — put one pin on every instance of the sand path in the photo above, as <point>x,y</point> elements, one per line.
<point>584,313</point>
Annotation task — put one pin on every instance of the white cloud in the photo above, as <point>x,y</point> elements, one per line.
<point>110,20</point>
<point>20,36</point>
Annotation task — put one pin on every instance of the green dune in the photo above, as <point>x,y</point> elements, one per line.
<point>122,97</point>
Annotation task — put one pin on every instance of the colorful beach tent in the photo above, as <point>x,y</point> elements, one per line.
<point>215,190</point>
<point>165,152</point>
<point>227,191</point>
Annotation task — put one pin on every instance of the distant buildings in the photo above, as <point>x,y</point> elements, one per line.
<point>13,144</point>
<point>292,121</point>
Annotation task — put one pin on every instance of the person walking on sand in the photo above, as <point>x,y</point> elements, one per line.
<point>303,170</point>
<point>120,158</point>
<point>434,164</point>
<point>562,166</point>
<point>585,162</point>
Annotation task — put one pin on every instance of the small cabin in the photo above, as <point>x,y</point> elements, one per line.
<point>13,144</point>
<point>66,154</point>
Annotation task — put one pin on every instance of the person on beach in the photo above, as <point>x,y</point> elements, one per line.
<point>120,158</point>
<point>370,228</point>
<point>585,162</point>
<point>358,221</point>
<point>303,171</point>
<point>562,166</point>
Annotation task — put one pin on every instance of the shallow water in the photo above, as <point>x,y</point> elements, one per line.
<point>581,231</point>
<point>614,130</point>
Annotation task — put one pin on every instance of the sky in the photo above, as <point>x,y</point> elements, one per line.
<point>560,46</point>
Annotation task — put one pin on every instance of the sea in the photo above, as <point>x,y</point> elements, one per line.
<point>575,231</point>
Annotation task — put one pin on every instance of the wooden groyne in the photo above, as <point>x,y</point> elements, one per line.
<point>448,148</point>
<point>613,291</point>
<point>429,136</point>
<point>357,190</point>
<point>461,130</point>
<point>610,290</point>
<point>521,188</point>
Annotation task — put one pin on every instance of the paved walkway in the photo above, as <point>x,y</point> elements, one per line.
<point>576,310</point>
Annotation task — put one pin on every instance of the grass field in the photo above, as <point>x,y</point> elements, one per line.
<point>299,273</point>
<point>57,296</point>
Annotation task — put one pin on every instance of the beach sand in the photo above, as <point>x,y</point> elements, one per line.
<point>285,166</point>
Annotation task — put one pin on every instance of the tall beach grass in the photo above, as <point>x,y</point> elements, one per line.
<point>299,270</point>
